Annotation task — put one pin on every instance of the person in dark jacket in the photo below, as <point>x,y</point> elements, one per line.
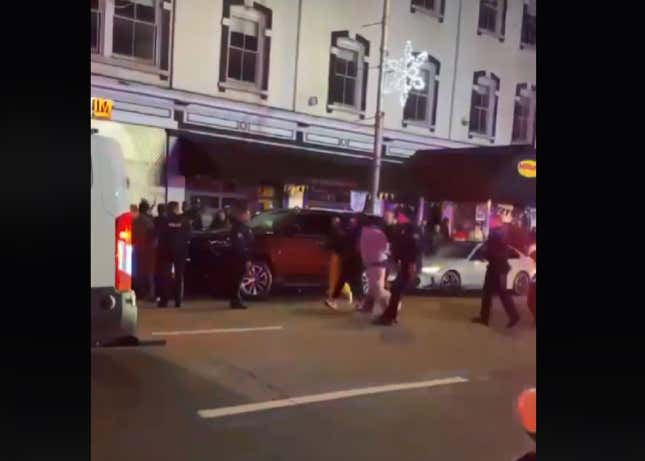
<point>157,221</point>
<point>174,233</point>
<point>241,239</point>
<point>405,248</point>
<point>351,270</point>
<point>220,221</point>
<point>496,274</point>
<point>143,242</point>
<point>335,245</point>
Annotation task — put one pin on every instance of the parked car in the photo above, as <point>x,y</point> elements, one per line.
<point>289,251</point>
<point>462,265</point>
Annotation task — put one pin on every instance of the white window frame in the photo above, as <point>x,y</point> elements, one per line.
<point>354,46</point>
<point>246,13</point>
<point>106,54</point>
<point>531,95</point>
<point>434,12</point>
<point>101,27</point>
<point>430,94</point>
<point>490,85</point>
<point>499,20</point>
<point>530,5</point>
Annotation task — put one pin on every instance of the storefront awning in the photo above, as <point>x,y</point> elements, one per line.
<point>254,163</point>
<point>502,173</point>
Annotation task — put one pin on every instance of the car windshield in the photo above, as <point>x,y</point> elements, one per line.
<point>266,222</point>
<point>455,250</point>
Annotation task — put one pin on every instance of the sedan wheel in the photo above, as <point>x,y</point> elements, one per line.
<point>450,281</point>
<point>257,283</point>
<point>521,284</point>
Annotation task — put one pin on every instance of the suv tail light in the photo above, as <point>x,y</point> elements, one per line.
<point>123,275</point>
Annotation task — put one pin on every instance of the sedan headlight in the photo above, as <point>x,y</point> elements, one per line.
<point>431,269</point>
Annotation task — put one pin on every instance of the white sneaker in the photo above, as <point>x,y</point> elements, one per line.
<point>330,303</point>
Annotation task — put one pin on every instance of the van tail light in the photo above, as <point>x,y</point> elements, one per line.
<point>123,275</point>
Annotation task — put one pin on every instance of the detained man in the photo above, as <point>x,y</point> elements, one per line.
<point>374,248</point>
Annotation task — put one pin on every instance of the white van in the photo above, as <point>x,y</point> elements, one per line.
<point>114,309</point>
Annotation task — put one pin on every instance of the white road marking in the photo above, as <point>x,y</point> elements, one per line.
<point>303,400</point>
<point>215,330</point>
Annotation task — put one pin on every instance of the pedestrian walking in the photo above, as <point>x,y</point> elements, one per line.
<point>173,250</point>
<point>496,274</point>
<point>241,238</point>
<point>374,248</point>
<point>143,243</point>
<point>351,270</point>
<point>335,245</point>
<point>405,248</point>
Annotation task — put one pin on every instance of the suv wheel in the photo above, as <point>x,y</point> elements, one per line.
<point>257,283</point>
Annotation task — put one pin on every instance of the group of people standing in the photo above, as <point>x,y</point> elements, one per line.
<point>160,249</point>
<point>377,247</point>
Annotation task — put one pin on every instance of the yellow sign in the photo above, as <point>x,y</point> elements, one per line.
<point>527,168</point>
<point>101,108</point>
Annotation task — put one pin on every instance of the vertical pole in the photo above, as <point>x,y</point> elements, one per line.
<point>378,122</point>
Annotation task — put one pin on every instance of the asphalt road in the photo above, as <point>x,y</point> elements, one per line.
<point>146,400</point>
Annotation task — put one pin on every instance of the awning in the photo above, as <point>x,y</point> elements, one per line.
<point>254,163</point>
<point>475,174</point>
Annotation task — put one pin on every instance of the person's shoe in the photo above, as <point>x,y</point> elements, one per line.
<point>480,320</point>
<point>177,305</point>
<point>511,323</point>
<point>238,306</point>
<point>161,305</point>
<point>383,321</point>
<point>330,303</point>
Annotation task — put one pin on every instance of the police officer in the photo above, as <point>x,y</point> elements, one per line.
<point>174,232</point>
<point>495,278</point>
<point>405,247</point>
<point>241,239</point>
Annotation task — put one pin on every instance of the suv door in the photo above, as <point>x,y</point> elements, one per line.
<point>306,258</point>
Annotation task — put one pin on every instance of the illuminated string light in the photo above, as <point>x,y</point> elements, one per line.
<point>402,75</point>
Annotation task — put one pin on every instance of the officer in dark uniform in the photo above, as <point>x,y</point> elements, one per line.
<point>241,239</point>
<point>174,233</point>
<point>405,248</point>
<point>495,278</point>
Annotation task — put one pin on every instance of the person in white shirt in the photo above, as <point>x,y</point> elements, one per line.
<point>374,248</point>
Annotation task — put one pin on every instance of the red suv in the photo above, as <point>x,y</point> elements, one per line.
<point>289,250</point>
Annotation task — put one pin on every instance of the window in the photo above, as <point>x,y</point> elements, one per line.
<point>528,24</point>
<point>246,44</point>
<point>483,110</point>
<point>314,225</point>
<point>524,115</point>
<point>345,77</point>
<point>268,221</point>
<point>421,105</point>
<point>348,73</point>
<point>432,7</point>
<point>455,250</point>
<point>96,23</point>
<point>132,33</point>
<point>243,51</point>
<point>492,18</point>
<point>135,29</point>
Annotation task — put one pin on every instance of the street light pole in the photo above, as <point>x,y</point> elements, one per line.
<point>378,120</point>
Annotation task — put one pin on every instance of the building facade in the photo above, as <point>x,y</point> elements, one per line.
<point>300,76</point>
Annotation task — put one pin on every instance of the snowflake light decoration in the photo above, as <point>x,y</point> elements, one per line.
<point>402,75</point>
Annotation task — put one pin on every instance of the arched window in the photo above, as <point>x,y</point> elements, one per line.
<point>421,105</point>
<point>524,114</point>
<point>483,105</point>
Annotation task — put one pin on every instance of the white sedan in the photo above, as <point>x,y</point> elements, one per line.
<point>462,265</point>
